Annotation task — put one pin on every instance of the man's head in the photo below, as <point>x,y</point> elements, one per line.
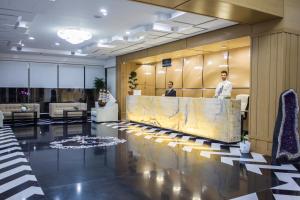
<point>224,75</point>
<point>170,84</point>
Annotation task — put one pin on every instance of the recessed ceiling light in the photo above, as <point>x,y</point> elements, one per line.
<point>31,38</point>
<point>105,45</point>
<point>127,32</point>
<point>57,43</point>
<point>52,0</point>
<point>103,11</point>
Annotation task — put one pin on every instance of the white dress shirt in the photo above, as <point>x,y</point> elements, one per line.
<point>223,90</point>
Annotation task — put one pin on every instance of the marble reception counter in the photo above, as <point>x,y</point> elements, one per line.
<point>206,117</point>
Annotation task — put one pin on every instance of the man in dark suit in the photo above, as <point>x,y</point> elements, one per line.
<point>170,92</point>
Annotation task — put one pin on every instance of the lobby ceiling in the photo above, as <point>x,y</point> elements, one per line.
<point>32,25</point>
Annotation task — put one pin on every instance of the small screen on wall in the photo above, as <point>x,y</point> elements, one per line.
<point>167,62</point>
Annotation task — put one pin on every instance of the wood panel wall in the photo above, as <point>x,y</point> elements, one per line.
<point>191,75</point>
<point>123,70</point>
<point>275,67</point>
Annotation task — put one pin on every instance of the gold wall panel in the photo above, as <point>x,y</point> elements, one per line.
<point>160,79</point>
<point>192,72</point>
<point>146,75</point>
<point>159,92</point>
<point>146,79</point>
<point>174,73</point>
<point>191,92</point>
<point>239,67</point>
<point>179,92</point>
<point>148,91</point>
<point>208,93</point>
<point>214,63</point>
<point>140,76</point>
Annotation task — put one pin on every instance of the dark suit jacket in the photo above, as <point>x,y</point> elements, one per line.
<point>171,93</point>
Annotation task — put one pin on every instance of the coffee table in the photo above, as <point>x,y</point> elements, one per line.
<point>66,114</point>
<point>13,113</point>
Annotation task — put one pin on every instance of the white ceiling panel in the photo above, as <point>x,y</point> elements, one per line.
<point>158,40</point>
<point>127,23</point>
<point>191,30</point>
<point>175,35</point>
<point>190,18</point>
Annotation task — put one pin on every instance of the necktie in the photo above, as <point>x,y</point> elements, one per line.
<point>220,90</point>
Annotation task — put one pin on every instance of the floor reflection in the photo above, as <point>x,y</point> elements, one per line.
<point>137,169</point>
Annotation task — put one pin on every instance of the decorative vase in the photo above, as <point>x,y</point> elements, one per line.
<point>245,147</point>
<point>23,108</point>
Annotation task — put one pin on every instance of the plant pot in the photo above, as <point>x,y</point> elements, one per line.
<point>130,92</point>
<point>245,147</point>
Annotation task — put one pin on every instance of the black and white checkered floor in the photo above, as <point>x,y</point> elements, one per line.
<point>253,171</point>
<point>286,176</point>
<point>16,179</point>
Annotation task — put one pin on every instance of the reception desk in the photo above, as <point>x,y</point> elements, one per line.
<point>205,117</point>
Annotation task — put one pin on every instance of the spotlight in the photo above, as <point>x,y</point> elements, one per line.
<point>103,12</point>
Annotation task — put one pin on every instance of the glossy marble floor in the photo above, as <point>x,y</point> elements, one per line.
<point>152,164</point>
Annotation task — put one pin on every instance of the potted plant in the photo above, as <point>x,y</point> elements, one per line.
<point>245,144</point>
<point>132,82</point>
<point>99,84</point>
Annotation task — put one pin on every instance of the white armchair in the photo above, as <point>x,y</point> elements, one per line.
<point>1,119</point>
<point>244,108</point>
<point>104,114</point>
<point>244,103</point>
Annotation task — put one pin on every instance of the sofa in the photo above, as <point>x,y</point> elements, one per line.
<point>7,110</point>
<point>56,109</point>
<point>1,119</point>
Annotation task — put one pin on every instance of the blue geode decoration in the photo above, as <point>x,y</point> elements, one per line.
<point>286,145</point>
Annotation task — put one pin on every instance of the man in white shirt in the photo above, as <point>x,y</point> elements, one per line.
<point>223,90</point>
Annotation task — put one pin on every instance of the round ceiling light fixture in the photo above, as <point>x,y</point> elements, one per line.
<point>103,12</point>
<point>74,35</point>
